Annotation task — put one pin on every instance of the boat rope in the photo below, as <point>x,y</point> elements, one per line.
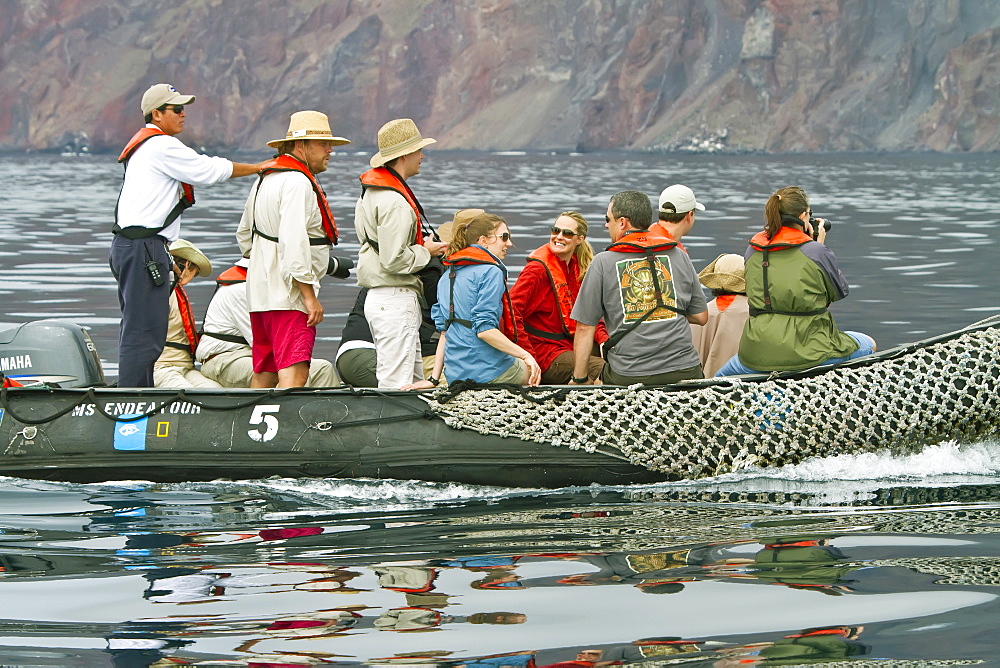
<point>90,397</point>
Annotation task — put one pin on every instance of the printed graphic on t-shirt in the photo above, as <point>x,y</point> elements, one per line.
<point>638,289</point>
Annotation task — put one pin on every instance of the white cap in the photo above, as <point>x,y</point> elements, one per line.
<point>679,199</point>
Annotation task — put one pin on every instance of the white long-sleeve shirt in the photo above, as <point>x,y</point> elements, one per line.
<point>153,178</point>
<point>227,314</point>
<point>284,207</point>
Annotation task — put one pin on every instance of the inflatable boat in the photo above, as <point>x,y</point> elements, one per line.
<point>66,424</point>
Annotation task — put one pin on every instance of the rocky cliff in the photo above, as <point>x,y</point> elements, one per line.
<point>767,75</point>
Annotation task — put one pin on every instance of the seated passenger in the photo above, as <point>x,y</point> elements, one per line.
<point>480,340</point>
<point>677,206</point>
<point>791,279</point>
<point>544,294</point>
<point>644,288</point>
<point>356,357</point>
<point>225,347</point>
<point>719,339</point>
<point>175,365</point>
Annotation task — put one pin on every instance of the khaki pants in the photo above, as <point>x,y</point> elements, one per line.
<point>561,370</point>
<point>394,317</point>
<point>234,368</point>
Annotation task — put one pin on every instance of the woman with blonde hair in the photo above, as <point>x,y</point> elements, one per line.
<point>791,279</point>
<point>480,338</point>
<point>545,292</point>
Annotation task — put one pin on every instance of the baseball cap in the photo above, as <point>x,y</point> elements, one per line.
<point>679,199</point>
<point>160,94</point>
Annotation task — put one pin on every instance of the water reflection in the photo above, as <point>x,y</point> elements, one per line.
<point>256,573</point>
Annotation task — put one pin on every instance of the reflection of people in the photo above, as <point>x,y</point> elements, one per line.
<point>584,659</point>
<point>498,578</point>
<point>396,244</point>
<point>287,230</point>
<point>480,336</point>
<point>645,288</point>
<point>719,339</point>
<point>416,619</point>
<point>175,365</point>
<point>545,292</point>
<point>791,280</point>
<point>815,645</point>
<point>677,207</point>
<point>803,562</point>
<point>225,349</point>
<point>160,175</point>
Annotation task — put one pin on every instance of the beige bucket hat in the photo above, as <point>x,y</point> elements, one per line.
<point>183,248</point>
<point>309,125</point>
<point>397,138</point>
<point>726,272</point>
<point>447,231</point>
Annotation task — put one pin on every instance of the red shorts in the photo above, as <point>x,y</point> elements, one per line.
<point>280,339</point>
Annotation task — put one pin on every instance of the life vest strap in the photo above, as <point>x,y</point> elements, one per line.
<point>551,336</point>
<point>231,338</point>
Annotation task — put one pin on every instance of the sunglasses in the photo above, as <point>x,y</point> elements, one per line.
<point>505,236</point>
<point>177,108</point>
<point>558,231</point>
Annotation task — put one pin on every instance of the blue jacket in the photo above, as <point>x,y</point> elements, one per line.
<point>479,290</point>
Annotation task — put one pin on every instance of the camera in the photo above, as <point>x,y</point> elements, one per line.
<point>817,222</point>
<point>339,267</point>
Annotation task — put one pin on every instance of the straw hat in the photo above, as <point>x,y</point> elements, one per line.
<point>184,249</point>
<point>397,138</point>
<point>309,125</point>
<point>724,273</point>
<point>447,231</point>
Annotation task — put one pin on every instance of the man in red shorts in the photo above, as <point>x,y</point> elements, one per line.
<point>287,230</point>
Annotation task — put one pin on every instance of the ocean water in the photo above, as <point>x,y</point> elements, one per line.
<point>875,560</point>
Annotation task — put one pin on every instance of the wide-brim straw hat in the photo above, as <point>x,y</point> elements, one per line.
<point>398,138</point>
<point>447,231</point>
<point>725,272</point>
<point>183,248</point>
<point>309,125</point>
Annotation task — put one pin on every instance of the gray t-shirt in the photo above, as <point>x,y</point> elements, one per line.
<point>618,287</point>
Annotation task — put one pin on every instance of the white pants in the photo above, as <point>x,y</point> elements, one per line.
<point>234,368</point>
<point>394,317</point>
<point>180,376</point>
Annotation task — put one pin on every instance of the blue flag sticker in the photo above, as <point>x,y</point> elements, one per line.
<point>130,435</point>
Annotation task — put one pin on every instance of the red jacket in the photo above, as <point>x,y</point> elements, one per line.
<point>535,301</point>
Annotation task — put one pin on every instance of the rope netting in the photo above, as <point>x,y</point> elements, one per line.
<point>938,391</point>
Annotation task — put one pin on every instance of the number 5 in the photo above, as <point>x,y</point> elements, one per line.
<point>260,415</point>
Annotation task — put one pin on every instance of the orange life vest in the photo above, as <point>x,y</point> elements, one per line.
<point>289,163</point>
<point>232,276</point>
<point>187,319</point>
<point>556,270</point>
<point>386,179</point>
<point>658,228</point>
<point>475,255</point>
<point>10,382</point>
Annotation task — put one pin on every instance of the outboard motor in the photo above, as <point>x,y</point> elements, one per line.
<point>50,351</point>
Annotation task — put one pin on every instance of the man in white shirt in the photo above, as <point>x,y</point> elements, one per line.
<point>160,175</point>
<point>287,230</point>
